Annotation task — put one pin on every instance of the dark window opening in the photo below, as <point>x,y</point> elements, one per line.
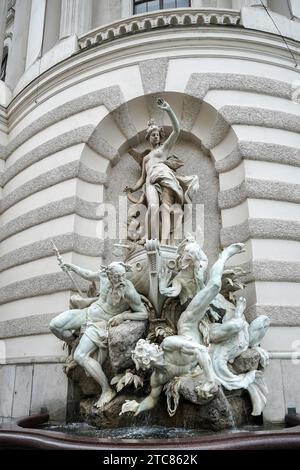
<point>4,64</point>
<point>141,6</point>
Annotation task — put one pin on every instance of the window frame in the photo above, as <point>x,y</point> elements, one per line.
<point>161,5</point>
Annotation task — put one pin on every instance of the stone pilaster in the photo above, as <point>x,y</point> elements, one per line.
<point>127,8</point>
<point>76,17</point>
<point>3,14</point>
<point>17,56</point>
<point>36,31</point>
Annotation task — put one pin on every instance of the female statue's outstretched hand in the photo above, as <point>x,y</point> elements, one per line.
<point>162,104</point>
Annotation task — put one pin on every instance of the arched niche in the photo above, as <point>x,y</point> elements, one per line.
<point>202,129</point>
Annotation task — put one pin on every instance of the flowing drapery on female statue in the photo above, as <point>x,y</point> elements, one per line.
<point>163,191</point>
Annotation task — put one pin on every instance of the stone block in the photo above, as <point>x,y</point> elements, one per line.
<point>291,383</point>
<point>7,381</point>
<point>49,390</point>
<point>22,391</point>
<point>275,408</point>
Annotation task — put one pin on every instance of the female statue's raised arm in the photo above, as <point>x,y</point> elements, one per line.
<point>171,140</point>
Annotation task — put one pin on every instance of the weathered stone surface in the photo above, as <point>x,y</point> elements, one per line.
<point>259,189</point>
<point>280,315</point>
<point>121,342</point>
<point>51,211</point>
<point>188,390</point>
<point>49,390</point>
<point>248,360</point>
<point>58,143</point>
<point>261,228</point>
<point>252,116</point>
<point>87,385</point>
<point>222,412</point>
<point>7,377</point>
<point>90,246</point>
<point>50,178</point>
<point>240,404</point>
<point>259,151</point>
<point>200,83</point>
<point>22,390</point>
<point>38,285</point>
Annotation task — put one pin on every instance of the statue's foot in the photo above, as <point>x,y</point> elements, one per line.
<point>233,249</point>
<point>105,398</point>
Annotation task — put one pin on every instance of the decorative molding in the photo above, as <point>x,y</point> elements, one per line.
<point>158,20</point>
<point>233,42</point>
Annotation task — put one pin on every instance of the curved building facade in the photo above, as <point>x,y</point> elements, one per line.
<point>79,79</point>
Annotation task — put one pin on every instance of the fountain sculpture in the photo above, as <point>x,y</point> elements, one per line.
<point>160,324</point>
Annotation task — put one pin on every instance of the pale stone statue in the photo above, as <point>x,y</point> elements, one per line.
<point>163,190</point>
<point>118,301</point>
<point>182,353</point>
<point>192,264</point>
<point>231,338</point>
<point>205,341</point>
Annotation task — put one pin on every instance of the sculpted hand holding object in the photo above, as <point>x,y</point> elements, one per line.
<point>118,301</point>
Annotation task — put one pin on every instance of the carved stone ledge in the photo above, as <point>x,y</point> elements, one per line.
<point>157,20</point>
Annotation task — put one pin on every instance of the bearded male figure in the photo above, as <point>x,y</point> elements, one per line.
<point>118,301</point>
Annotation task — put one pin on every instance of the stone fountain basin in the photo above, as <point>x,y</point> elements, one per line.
<point>26,433</point>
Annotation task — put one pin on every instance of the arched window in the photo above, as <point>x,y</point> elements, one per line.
<point>141,6</point>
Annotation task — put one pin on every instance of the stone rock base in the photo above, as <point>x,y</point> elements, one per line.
<point>224,411</point>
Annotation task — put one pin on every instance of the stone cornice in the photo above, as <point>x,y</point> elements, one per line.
<point>228,41</point>
<point>157,20</point>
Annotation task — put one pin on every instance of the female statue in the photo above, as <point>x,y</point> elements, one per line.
<point>164,192</point>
